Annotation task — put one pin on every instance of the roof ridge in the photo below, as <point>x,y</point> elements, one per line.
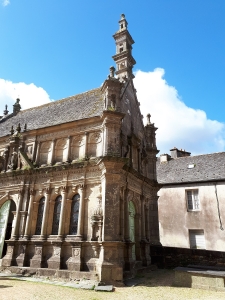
<point>192,156</point>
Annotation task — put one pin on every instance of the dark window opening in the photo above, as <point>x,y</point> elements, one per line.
<point>56,216</point>
<point>74,214</point>
<point>40,215</point>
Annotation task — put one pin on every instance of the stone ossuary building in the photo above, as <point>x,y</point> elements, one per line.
<point>78,188</point>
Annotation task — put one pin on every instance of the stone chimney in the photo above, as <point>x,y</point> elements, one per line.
<point>164,158</point>
<point>175,153</point>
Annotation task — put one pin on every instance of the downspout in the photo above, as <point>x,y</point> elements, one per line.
<point>218,208</point>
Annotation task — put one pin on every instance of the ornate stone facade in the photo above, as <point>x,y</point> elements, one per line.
<point>81,174</point>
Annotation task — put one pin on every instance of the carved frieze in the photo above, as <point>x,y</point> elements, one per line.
<point>65,133</point>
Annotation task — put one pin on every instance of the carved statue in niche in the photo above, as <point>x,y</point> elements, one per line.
<point>61,151</point>
<point>94,145</point>
<point>29,152</point>
<point>13,160</point>
<point>113,101</point>
<point>77,148</point>
<point>96,222</point>
<point>44,153</point>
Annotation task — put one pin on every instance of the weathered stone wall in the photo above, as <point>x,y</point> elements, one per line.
<point>175,220</point>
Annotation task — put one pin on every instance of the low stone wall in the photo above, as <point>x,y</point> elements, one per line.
<point>170,257</point>
<point>200,278</point>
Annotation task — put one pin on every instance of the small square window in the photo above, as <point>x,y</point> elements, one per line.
<point>197,239</point>
<point>193,200</point>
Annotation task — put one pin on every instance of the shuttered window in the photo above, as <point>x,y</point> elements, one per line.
<point>197,239</point>
<point>192,200</point>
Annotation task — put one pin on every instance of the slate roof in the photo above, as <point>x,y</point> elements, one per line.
<point>81,106</point>
<point>207,167</point>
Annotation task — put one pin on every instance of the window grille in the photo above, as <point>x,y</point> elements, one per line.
<point>74,214</point>
<point>56,216</point>
<point>40,215</point>
<point>193,200</point>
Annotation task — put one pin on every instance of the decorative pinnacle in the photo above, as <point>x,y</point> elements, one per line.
<point>12,131</point>
<point>18,129</point>
<point>122,16</point>
<point>5,112</point>
<point>112,71</point>
<point>148,119</point>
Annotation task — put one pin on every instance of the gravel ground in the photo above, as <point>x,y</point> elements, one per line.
<point>156,284</point>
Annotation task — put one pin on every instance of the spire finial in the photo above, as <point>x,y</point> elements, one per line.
<point>18,129</point>
<point>112,71</point>
<point>5,112</point>
<point>16,106</point>
<point>148,119</point>
<point>12,130</point>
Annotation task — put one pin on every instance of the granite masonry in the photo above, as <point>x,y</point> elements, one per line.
<point>78,188</point>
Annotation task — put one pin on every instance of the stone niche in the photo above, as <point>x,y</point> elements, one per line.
<point>95,144</point>
<point>61,151</point>
<point>77,148</point>
<point>45,153</point>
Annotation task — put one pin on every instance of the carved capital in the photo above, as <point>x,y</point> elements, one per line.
<point>32,192</point>
<point>48,191</point>
<point>64,189</point>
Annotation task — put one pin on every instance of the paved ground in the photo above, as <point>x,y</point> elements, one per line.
<point>156,284</point>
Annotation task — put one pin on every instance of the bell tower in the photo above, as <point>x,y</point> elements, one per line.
<point>123,58</point>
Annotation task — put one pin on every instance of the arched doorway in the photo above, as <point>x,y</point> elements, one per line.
<point>132,226</point>
<point>6,220</point>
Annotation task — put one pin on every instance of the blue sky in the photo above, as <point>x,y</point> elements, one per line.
<point>65,47</point>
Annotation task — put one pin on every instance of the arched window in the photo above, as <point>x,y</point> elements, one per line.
<point>40,215</point>
<point>56,216</point>
<point>74,214</point>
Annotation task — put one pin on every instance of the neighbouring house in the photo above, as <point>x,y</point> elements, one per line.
<point>78,188</point>
<point>192,200</point>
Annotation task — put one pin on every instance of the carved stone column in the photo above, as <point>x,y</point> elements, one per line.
<point>37,153</point>
<point>143,233</point>
<point>126,216</point>
<point>68,149</point>
<point>52,152</point>
<point>45,213</point>
<point>22,222</point>
<point>29,215</point>
<point>147,223</point>
<point>17,217</point>
<point>122,225</point>
<point>81,212</point>
<point>86,144</point>
<point>62,212</point>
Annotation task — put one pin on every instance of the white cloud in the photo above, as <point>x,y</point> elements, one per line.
<point>30,95</point>
<point>178,125</point>
<point>5,2</point>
